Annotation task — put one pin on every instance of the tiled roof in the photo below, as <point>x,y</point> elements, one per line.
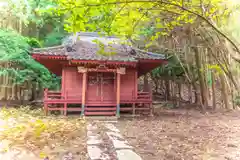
<point>86,49</point>
<point>53,51</point>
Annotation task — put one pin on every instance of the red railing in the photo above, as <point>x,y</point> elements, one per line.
<point>141,101</point>
<point>144,96</point>
<point>52,94</point>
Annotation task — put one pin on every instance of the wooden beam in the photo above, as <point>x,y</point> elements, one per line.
<point>84,84</point>
<point>101,70</point>
<point>133,64</point>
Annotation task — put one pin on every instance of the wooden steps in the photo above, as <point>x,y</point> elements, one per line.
<point>87,113</point>
<point>100,111</point>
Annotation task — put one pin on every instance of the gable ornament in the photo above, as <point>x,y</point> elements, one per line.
<point>82,69</point>
<point>121,70</point>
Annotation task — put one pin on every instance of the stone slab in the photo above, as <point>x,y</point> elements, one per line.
<point>115,134</point>
<point>121,144</point>
<point>111,127</point>
<point>102,118</point>
<point>90,133</point>
<point>94,152</point>
<point>90,127</point>
<point>94,140</point>
<point>127,154</point>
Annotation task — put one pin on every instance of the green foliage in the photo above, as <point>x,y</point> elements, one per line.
<point>172,69</point>
<point>16,61</point>
<point>54,38</point>
<point>34,43</point>
<point>45,26</point>
<point>129,18</point>
<point>237,100</point>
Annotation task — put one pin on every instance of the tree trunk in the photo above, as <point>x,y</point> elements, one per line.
<point>178,96</point>
<point>155,82</point>
<point>167,93</point>
<point>190,93</point>
<point>18,90</point>
<point>10,86</point>
<point>40,91</point>
<point>34,91</point>
<point>179,90</point>
<point>203,91</point>
<point>5,86</point>
<point>224,91</point>
<point>1,88</point>
<point>233,97</point>
<point>145,83</point>
<point>196,95</point>
<point>213,91</point>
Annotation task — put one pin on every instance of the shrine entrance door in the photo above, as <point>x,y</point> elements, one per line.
<point>100,87</point>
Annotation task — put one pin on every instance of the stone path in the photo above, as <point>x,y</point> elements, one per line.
<point>105,142</point>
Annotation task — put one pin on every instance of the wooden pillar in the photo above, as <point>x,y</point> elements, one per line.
<point>134,108</point>
<point>151,99</point>
<point>84,92</point>
<point>118,94</point>
<point>84,84</point>
<point>119,72</point>
<point>65,109</point>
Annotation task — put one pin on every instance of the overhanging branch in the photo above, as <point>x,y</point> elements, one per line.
<point>205,19</point>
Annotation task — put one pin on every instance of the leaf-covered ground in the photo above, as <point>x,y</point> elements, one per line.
<point>169,135</point>
<point>27,134</point>
<point>185,135</point>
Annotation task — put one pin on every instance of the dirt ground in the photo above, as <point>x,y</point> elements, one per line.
<point>184,135</point>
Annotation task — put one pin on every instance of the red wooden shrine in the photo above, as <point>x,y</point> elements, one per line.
<point>98,84</point>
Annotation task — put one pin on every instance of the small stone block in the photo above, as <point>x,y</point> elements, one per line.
<point>121,144</point>
<point>111,127</point>
<point>126,154</point>
<point>94,152</point>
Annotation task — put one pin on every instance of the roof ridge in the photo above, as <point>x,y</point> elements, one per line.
<point>94,34</point>
<point>47,48</point>
<point>149,53</point>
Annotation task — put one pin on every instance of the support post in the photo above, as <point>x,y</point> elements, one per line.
<point>134,109</point>
<point>83,70</point>
<point>151,109</point>
<point>119,72</point>
<point>118,95</point>
<point>151,99</point>
<point>84,91</point>
<point>65,109</point>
